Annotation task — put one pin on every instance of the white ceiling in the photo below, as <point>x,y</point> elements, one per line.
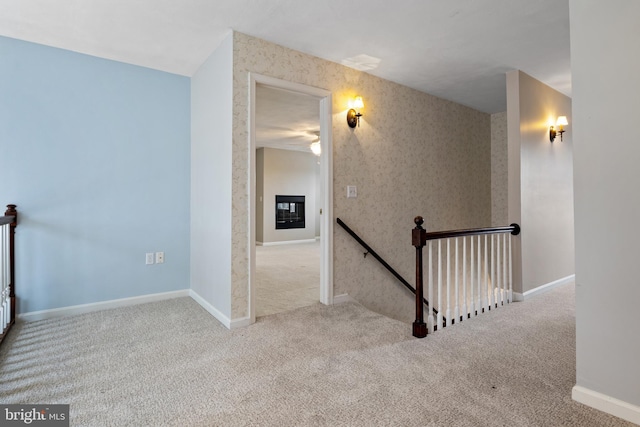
<point>286,120</point>
<point>454,49</point>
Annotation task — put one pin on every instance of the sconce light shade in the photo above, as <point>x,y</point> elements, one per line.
<point>354,114</point>
<point>316,148</point>
<point>562,121</point>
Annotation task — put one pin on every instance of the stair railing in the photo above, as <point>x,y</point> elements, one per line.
<point>481,281</point>
<point>8,224</point>
<point>373,253</point>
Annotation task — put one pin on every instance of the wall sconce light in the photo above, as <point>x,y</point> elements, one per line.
<point>354,114</point>
<point>562,121</point>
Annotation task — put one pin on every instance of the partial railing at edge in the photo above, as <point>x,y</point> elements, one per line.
<point>386,265</point>
<point>473,276</point>
<point>8,224</point>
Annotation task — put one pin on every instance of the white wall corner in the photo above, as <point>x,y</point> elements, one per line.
<point>240,323</point>
<point>607,404</point>
<point>98,306</point>
<point>342,298</point>
<point>517,296</point>
<point>211,309</point>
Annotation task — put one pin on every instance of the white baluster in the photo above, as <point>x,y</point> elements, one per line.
<point>491,282</point>
<point>3,281</point>
<point>2,255</point>
<point>464,278</point>
<point>505,279</point>
<point>498,271</point>
<point>448,312</point>
<point>479,284</point>
<point>4,276</point>
<point>509,297</point>
<point>7,275</point>
<point>472,308</point>
<point>439,319</point>
<point>485,284</point>
<point>430,319</point>
<point>456,306</point>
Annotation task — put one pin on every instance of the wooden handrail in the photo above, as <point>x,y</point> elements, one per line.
<point>514,229</point>
<point>382,261</point>
<point>10,218</point>
<point>7,219</point>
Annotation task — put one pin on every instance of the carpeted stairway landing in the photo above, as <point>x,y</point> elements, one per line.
<point>171,363</point>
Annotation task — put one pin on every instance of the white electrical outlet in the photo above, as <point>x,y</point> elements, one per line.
<point>149,258</point>
<point>159,257</point>
<point>352,192</point>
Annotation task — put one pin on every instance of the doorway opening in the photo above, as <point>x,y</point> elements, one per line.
<point>290,157</point>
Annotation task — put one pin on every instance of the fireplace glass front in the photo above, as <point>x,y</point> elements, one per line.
<point>289,212</point>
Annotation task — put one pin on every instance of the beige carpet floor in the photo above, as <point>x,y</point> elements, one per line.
<point>170,363</point>
<point>287,277</point>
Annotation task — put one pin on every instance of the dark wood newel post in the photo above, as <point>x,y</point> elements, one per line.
<point>419,239</point>
<point>11,211</point>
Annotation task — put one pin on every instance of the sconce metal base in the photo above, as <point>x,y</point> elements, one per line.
<point>553,133</point>
<point>353,118</point>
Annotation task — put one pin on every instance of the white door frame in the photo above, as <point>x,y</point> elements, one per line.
<point>326,183</point>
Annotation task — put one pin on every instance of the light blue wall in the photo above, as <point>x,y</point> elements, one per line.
<point>96,154</point>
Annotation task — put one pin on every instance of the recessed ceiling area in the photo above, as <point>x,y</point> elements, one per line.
<point>285,119</point>
<point>458,50</point>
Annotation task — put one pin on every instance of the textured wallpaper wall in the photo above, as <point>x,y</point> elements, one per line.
<point>499,172</point>
<point>413,154</point>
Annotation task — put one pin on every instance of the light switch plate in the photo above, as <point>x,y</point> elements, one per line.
<point>352,192</point>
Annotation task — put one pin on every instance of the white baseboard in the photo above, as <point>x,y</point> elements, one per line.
<point>125,302</point>
<point>211,309</point>
<point>97,306</point>
<point>287,242</point>
<point>607,404</point>
<point>342,298</point>
<point>228,323</point>
<point>544,288</point>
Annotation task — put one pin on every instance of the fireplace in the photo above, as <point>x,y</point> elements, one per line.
<point>289,212</point>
